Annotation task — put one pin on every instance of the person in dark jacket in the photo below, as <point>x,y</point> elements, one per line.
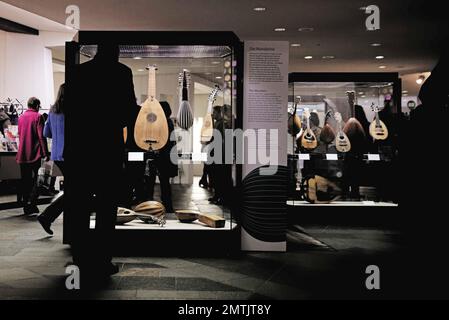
<point>164,165</point>
<point>54,129</point>
<point>99,96</point>
<point>32,149</point>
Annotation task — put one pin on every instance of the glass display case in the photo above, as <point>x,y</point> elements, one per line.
<point>343,150</point>
<point>203,68</point>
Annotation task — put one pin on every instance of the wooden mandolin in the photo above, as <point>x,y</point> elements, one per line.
<point>378,130</point>
<point>342,142</point>
<point>308,139</point>
<point>207,131</point>
<point>151,128</point>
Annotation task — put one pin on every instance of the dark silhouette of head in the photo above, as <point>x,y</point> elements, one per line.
<point>34,103</point>
<point>360,115</point>
<point>108,52</point>
<point>314,119</point>
<point>167,109</point>
<point>217,113</point>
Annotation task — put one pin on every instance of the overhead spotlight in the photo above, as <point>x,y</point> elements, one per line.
<point>382,67</point>
<point>375,44</point>
<point>380,57</point>
<point>259,9</point>
<point>305,29</point>
<point>137,58</point>
<point>295,45</point>
<point>328,57</point>
<point>308,57</point>
<point>420,79</point>
<point>279,29</point>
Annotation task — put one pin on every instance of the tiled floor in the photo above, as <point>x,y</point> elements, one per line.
<point>32,266</point>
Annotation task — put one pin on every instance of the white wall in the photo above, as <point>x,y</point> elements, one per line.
<point>26,68</point>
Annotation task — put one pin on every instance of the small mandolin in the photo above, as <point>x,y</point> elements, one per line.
<point>308,139</point>
<point>342,142</point>
<point>151,128</point>
<point>378,130</point>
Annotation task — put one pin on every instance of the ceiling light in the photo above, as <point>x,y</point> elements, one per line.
<point>308,57</point>
<point>380,57</point>
<point>405,91</point>
<point>259,9</point>
<point>420,80</point>
<point>363,96</point>
<point>305,29</point>
<point>218,77</point>
<point>361,93</point>
<point>382,67</point>
<point>295,44</point>
<point>141,70</point>
<point>375,44</point>
<point>137,58</point>
<point>328,57</point>
<point>279,29</point>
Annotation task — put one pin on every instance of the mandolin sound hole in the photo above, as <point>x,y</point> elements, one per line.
<point>151,117</point>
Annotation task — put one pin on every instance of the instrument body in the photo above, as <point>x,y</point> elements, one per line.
<point>151,128</point>
<point>342,142</point>
<point>378,130</point>
<point>185,114</point>
<point>327,135</point>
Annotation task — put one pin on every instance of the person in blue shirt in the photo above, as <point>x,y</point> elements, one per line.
<point>54,129</point>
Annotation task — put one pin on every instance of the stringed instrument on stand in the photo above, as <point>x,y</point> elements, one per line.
<point>185,114</point>
<point>378,130</point>
<point>327,135</point>
<point>308,139</point>
<point>342,142</point>
<point>207,131</point>
<point>151,128</point>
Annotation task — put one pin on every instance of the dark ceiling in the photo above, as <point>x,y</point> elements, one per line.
<point>409,34</point>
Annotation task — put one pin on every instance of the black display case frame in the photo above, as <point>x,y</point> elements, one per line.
<point>385,216</point>
<point>171,242</point>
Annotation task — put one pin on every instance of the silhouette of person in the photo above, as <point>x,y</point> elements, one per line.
<point>54,129</point>
<point>166,169</point>
<point>100,94</point>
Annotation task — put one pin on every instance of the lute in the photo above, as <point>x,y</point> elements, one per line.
<point>185,114</point>
<point>207,131</point>
<point>378,130</point>
<point>342,142</point>
<point>308,139</point>
<point>151,128</point>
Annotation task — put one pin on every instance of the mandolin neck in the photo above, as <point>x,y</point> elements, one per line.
<point>377,119</point>
<point>152,83</point>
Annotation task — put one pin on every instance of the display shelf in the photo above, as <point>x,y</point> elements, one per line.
<point>301,203</point>
<point>171,225</point>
